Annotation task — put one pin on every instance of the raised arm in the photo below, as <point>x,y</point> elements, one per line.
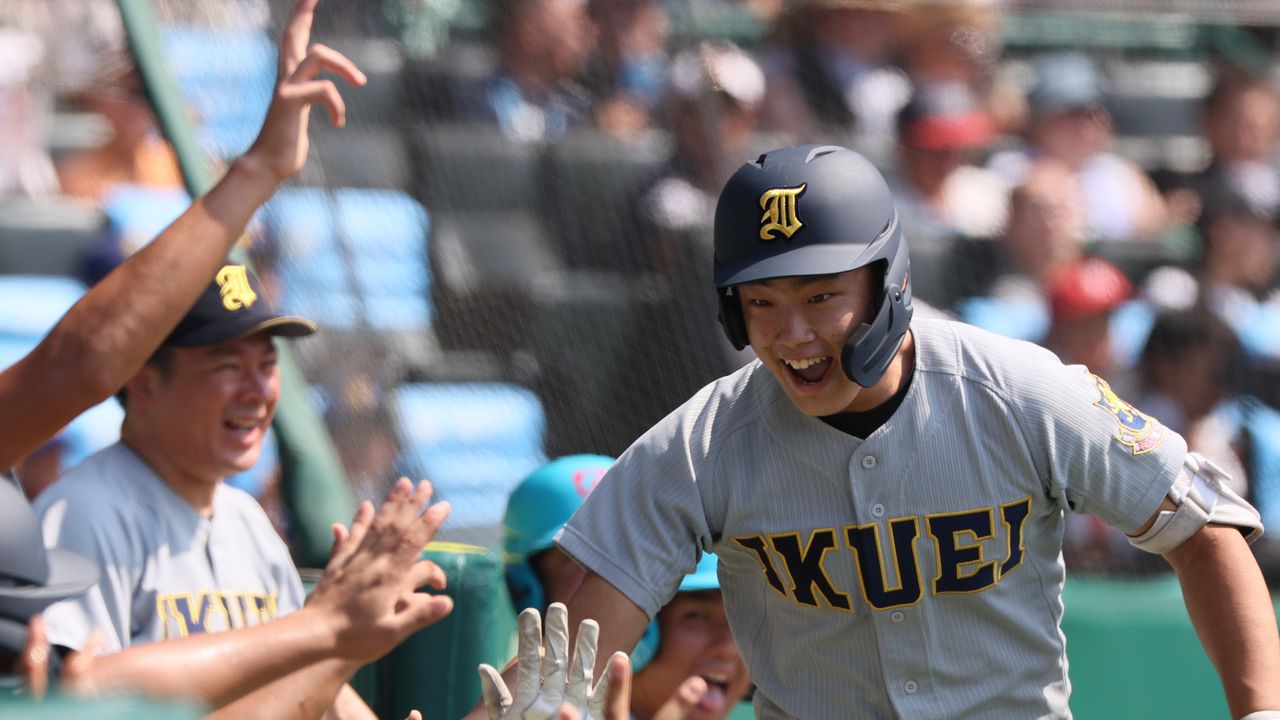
<point>107,336</point>
<point>1231,609</point>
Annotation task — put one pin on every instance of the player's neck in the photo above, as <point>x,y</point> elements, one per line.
<point>898,373</point>
<point>196,491</point>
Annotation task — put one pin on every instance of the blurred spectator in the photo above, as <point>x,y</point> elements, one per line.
<point>543,46</point>
<point>829,72</point>
<point>364,437</point>
<point>135,154</point>
<point>1235,273</point>
<point>1069,123</point>
<point>1082,297</point>
<point>629,72</point>
<point>1045,233</point>
<point>939,190</point>
<point>25,167</point>
<point>947,41</point>
<point>1184,376</point>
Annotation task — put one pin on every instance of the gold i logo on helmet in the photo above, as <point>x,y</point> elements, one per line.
<point>779,206</point>
<point>233,286</point>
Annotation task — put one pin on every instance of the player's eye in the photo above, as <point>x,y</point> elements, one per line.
<point>820,297</point>
<point>759,302</point>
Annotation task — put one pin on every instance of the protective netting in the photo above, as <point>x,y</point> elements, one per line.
<point>508,248</point>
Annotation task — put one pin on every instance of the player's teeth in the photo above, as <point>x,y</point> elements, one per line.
<point>805,363</point>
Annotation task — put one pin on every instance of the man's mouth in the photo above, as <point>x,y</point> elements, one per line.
<point>811,370</point>
<point>242,427</point>
<point>717,694</point>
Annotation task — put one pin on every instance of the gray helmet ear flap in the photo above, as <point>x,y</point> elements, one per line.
<point>873,345</point>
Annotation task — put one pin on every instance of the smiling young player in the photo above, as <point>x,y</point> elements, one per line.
<point>886,495</point>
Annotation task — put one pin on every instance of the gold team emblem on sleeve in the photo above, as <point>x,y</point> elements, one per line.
<point>779,206</point>
<point>233,285</point>
<point>1137,431</point>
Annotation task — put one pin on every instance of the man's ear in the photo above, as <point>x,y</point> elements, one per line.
<point>142,387</point>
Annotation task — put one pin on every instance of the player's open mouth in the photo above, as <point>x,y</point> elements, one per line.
<point>717,694</point>
<point>243,429</point>
<point>809,371</point>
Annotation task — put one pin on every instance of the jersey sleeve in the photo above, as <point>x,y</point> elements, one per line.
<point>644,527</point>
<point>108,606</point>
<point>1097,453</point>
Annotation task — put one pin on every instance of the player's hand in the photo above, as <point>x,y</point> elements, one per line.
<point>281,146</point>
<point>617,700</point>
<point>683,701</point>
<point>367,592</point>
<point>33,662</point>
<point>546,682</point>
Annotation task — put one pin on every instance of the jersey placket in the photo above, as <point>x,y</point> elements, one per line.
<point>896,612</point>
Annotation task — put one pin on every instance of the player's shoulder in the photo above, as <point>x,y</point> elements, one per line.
<point>975,356</point>
<point>714,413</point>
<point>106,480</point>
<point>231,504</point>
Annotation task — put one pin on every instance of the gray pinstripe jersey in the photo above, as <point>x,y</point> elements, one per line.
<point>915,574</point>
<point>166,571</point>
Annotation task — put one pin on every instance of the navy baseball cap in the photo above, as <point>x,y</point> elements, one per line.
<point>31,577</point>
<point>231,308</point>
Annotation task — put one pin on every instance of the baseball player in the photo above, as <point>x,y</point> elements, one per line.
<point>886,496</point>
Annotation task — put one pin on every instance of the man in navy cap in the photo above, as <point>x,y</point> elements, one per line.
<point>182,552</point>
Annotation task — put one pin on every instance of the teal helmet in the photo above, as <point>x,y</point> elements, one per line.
<point>540,505</point>
<point>703,577</point>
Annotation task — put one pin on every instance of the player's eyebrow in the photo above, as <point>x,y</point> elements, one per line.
<point>795,283</point>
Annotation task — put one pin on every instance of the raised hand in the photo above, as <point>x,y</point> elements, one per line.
<point>367,591</point>
<point>281,146</point>
<point>547,680</point>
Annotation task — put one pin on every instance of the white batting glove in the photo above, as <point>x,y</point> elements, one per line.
<point>542,684</point>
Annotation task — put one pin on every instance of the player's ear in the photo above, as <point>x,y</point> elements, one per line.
<point>142,387</point>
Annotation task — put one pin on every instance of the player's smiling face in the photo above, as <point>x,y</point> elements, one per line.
<point>694,639</point>
<point>798,327</point>
<point>208,411</point>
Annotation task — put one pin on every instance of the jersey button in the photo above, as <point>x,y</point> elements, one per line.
<point>877,510</point>
<point>868,461</point>
<point>910,686</point>
<point>897,616</point>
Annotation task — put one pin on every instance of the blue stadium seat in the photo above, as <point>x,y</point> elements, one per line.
<point>344,247</point>
<point>137,214</point>
<point>33,304</point>
<point>227,76</point>
<point>475,441</point>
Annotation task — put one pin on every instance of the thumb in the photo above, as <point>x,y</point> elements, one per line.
<point>497,698</point>
<point>683,700</point>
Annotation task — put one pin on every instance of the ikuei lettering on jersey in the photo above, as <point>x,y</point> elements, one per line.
<point>886,557</point>
<point>191,613</point>
<point>1137,431</point>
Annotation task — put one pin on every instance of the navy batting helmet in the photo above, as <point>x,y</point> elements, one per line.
<point>815,210</point>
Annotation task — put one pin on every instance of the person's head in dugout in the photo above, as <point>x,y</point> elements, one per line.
<point>812,272</point>
<point>31,579</point>
<point>200,408</point>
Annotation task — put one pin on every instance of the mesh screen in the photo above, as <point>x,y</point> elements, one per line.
<point>509,246</point>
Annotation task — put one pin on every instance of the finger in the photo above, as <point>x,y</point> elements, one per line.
<point>611,699</point>
<point>354,535</point>
<point>432,519</point>
<point>75,670</point>
<point>319,91</point>
<point>528,674</point>
<point>683,700</point>
<point>339,536</point>
<point>323,57</point>
<point>420,610</point>
<point>425,573</point>
<point>413,715</point>
<point>555,655</point>
<point>566,712</point>
<point>584,662</point>
<point>496,696</point>
<point>35,657</point>
<point>296,36</point>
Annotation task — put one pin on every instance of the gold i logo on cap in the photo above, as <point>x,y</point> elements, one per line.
<point>779,205</point>
<point>233,285</point>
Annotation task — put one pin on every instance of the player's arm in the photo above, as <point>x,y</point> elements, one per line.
<point>364,605</point>
<point>621,621</point>
<point>107,336</point>
<point>317,690</point>
<point>1231,609</point>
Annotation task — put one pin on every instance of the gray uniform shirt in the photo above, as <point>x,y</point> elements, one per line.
<point>166,570</point>
<point>916,574</point>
